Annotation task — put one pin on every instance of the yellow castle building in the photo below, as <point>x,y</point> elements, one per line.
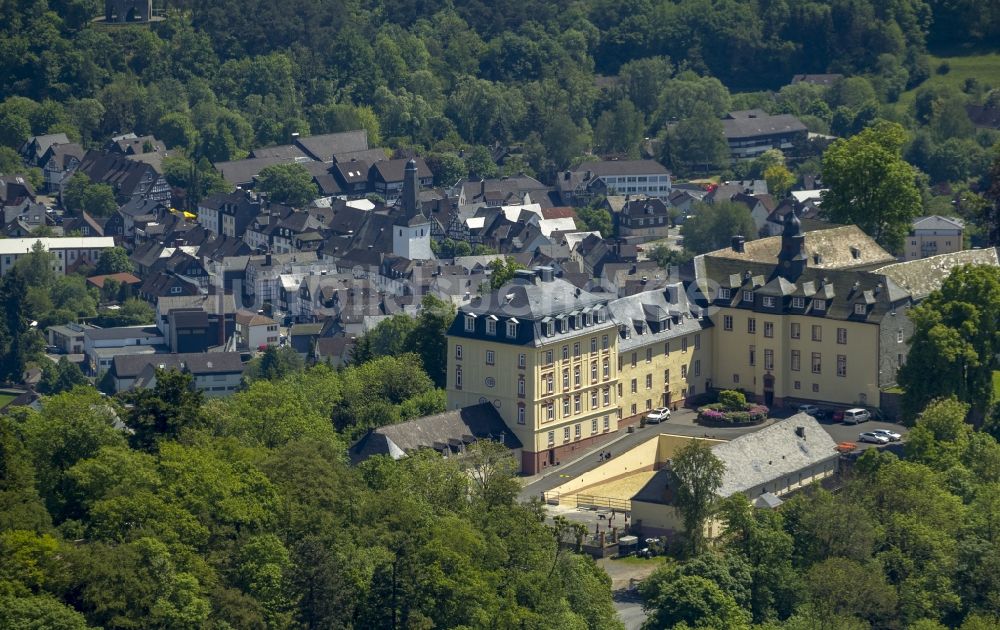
<point>818,317</point>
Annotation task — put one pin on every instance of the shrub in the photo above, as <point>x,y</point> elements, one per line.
<point>732,400</point>
<point>737,417</point>
<point>717,412</point>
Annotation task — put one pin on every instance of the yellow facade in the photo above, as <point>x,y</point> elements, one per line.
<point>810,358</point>
<point>551,396</point>
<point>664,373</point>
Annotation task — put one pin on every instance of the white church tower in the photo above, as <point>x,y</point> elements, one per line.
<point>411,232</point>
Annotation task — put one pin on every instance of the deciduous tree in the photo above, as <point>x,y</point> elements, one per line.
<point>870,184</point>
<point>287,183</point>
<point>699,474</point>
<point>712,226</point>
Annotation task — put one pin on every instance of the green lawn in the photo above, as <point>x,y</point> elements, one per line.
<point>645,562</point>
<point>996,384</point>
<point>984,67</point>
<point>5,398</point>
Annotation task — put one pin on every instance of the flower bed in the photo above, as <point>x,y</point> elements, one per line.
<point>717,415</point>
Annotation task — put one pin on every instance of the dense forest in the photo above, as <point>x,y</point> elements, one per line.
<point>244,513</point>
<point>552,81</point>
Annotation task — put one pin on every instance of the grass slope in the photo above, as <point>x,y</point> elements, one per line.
<point>984,67</point>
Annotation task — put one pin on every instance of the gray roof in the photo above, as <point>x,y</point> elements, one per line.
<point>762,456</point>
<point>937,222</point>
<point>833,247</point>
<point>243,172</point>
<point>197,363</point>
<point>448,432</point>
<point>921,277</point>
<point>755,459</point>
<point>670,304</point>
<point>755,124</point>
<point>623,167</point>
<point>323,147</point>
<point>286,151</point>
<point>124,332</point>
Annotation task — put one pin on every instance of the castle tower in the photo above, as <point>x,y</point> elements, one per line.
<point>792,259</point>
<point>411,232</point>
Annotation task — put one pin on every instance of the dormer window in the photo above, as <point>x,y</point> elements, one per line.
<point>578,322</point>
<point>861,309</point>
<point>725,294</point>
<point>748,296</point>
<point>491,325</point>
<point>512,328</point>
<point>819,305</point>
<point>470,323</point>
<point>768,301</point>
<point>600,315</point>
<point>798,302</point>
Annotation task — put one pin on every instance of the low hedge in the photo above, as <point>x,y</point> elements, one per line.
<point>716,414</point>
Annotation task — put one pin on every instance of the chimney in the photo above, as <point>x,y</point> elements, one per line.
<point>738,242</point>
<point>801,432</point>
<point>545,274</point>
<point>267,260</point>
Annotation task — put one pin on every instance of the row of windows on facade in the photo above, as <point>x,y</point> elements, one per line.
<point>522,359</point>
<point>578,430</point>
<point>696,369</point>
<point>794,330</point>
<point>576,404</point>
<point>643,221</point>
<point>635,178</point>
<point>795,362</point>
<point>769,301</point>
<point>666,350</point>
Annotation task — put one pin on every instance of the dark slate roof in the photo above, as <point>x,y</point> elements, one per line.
<point>393,170</point>
<point>449,432</point>
<point>664,314</point>
<point>323,147</point>
<point>197,363</point>
<point>188,318</point>
<point>142,207</point>
<point>123,175</point>
<point>243,172</point>
<point>128,332</point>
<point>284,151</point>
<point>623,167</point>
<point>532,301</point>
<point>369,155</point>
<point>760,124</point>
<point>352,171</point>
<point>62,154</point>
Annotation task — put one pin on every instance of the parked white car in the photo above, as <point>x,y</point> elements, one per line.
<point>857,416</point>
<point>891,435</point>
<point>872,437</point>
<point>658,415</point>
